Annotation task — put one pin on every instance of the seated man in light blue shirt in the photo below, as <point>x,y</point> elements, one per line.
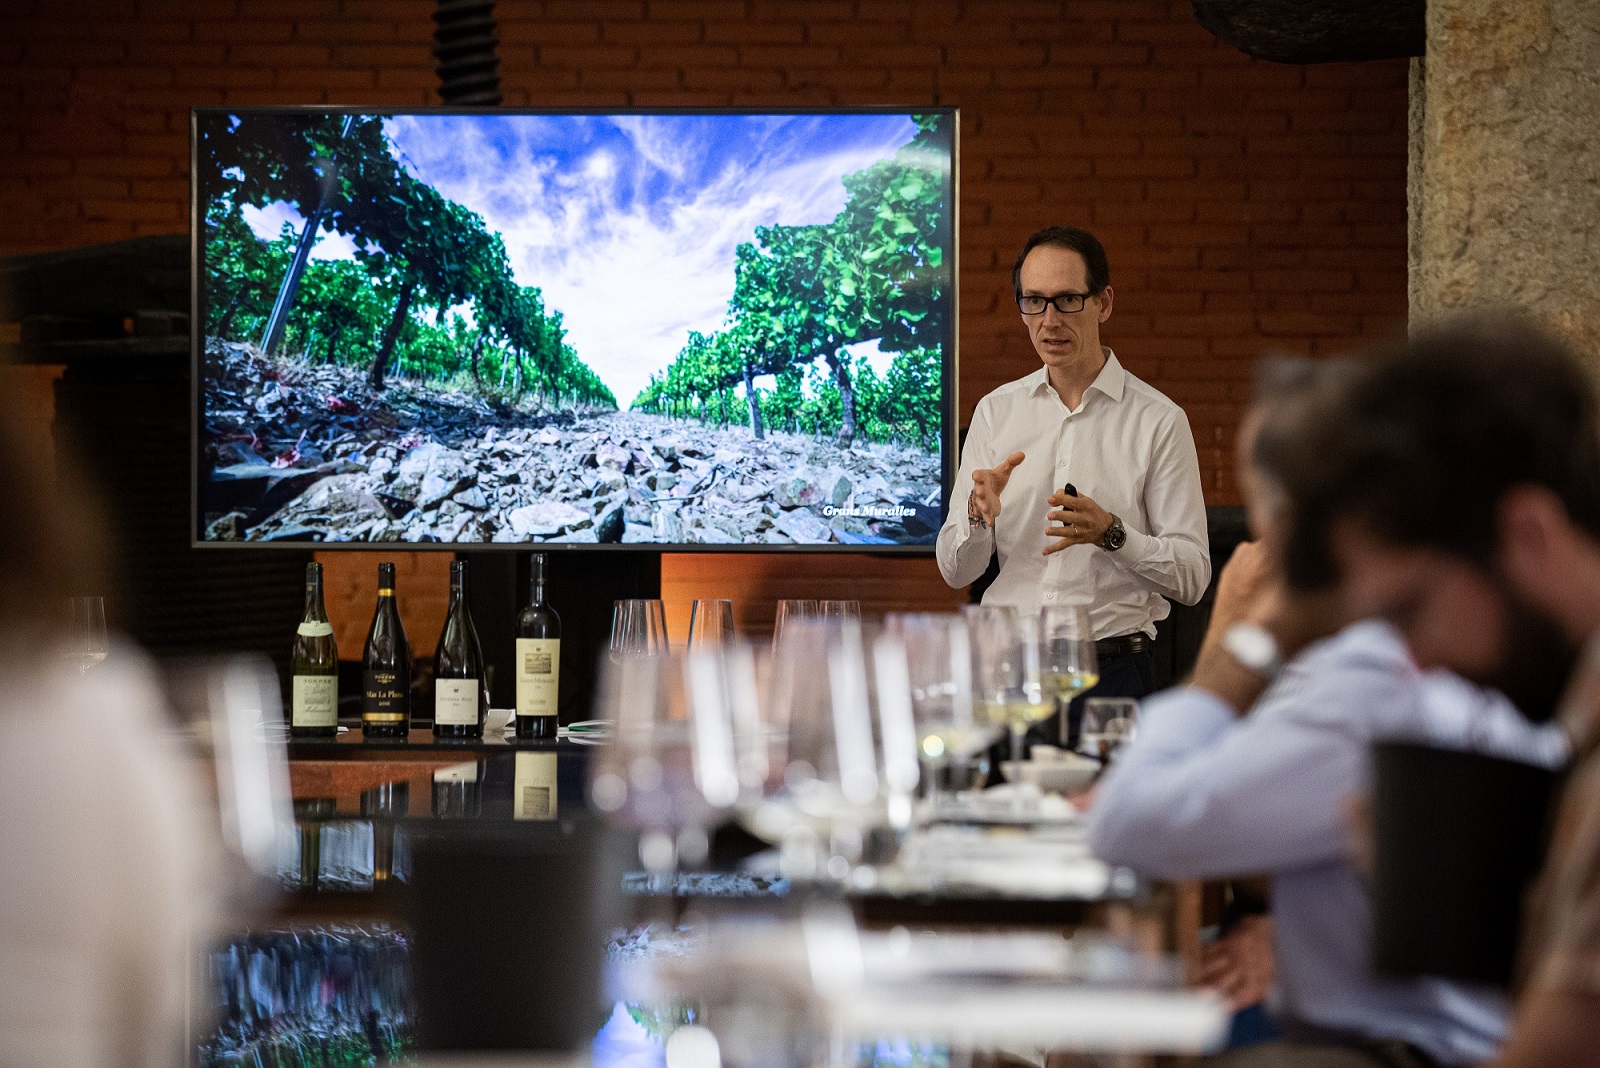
<point>1247,770</point>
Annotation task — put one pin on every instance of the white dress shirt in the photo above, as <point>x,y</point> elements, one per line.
<point>1125,446</point>
<point>1204,793</point>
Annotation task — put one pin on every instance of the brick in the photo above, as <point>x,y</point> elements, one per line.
<point>182,54</point>
<point>649,78</point>
<point>345,30</point>
<point>415,54</point>
<point>132,211</point>
<point>541,31</point>
<point>237,77</point>
<point>421,78</point>
<point>1099,56</point>
<point>292,55</point>
<point>1303,281</point>
<point>696,10</point>
<point>298,78</point>
<point>768,81</point>
<point>297,10</point>
<point>741,33</point>
<point>1143,167</point>
<point>254,31</point>
<point>683,56</point>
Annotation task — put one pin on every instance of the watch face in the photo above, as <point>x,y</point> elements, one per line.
<point>1115,535</point>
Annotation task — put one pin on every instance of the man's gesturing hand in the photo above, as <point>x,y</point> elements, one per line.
<point>984,504</point>
<point>1078,521</point>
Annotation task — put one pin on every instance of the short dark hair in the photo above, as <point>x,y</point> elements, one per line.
<point>1426,439</point>
<point>1080,241</point>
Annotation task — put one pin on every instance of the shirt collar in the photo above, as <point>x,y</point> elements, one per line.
<point>1111,380</point>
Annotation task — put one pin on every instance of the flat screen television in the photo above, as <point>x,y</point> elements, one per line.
<point>468,328</point>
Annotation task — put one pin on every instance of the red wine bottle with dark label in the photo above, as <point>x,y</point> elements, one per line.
<point>386,667</point>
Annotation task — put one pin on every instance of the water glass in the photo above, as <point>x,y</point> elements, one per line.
<point>711,623</point>
<point>88,632</point>
<point>638,628</point>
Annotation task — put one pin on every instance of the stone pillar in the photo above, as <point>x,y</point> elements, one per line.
<point>1505,163</point>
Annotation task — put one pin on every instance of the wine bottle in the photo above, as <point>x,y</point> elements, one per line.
<point>538,660</point>
<point>460,701</point>
<point>315,708</point>
<point>386,667</point>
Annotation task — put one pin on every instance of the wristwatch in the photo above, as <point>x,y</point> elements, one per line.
<point>1115,537</point>
<point>1255,649</point>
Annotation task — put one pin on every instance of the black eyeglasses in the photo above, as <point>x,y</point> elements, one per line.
<point>1066,303</point>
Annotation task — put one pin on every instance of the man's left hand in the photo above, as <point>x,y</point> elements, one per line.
<point>1076,521</point>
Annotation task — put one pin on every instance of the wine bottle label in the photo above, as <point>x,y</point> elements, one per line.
<point>534,787</point>
<point>383,698</point>
<point>538,675</point>
<point>316,701</point>
<point>455,702</point>
<point>311,628</point>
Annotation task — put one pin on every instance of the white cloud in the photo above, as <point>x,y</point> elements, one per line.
<point>631,273</point>
<point>267,224</point>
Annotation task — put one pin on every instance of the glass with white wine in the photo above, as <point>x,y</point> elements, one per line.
<point>1071,664</point>
<point>1008,683</point>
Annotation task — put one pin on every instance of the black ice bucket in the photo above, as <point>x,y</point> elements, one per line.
<point>510,923</point>
<point>1458,839</point>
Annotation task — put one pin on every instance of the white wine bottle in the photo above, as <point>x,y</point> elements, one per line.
<point>460,699</point>
<point>386,667</point>
<point>538,660</point>
<point>314,711</point>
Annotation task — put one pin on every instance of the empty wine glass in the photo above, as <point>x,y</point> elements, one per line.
<point>1071,663</point>
<point>839,609</point>
<point>938,657</point>
<point>711,623</point>
<point>790,611</point>
<point>1109,723</point>
<point>88,633</point>
<point>819,705</point>
<point>669,766</point>
<point>638,628</point>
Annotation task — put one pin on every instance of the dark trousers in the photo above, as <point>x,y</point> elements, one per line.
<point>1131,675</point>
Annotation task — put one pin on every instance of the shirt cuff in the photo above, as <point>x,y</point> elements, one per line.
<point>1138,547</point>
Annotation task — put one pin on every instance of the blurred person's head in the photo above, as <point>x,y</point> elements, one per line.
<point>1457,484</point>
<point>50,536</point>
<point>1288,392</point>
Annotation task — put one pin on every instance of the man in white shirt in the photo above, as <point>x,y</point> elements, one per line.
<point>1134,532</point>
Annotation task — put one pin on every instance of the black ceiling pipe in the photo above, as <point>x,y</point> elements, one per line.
<point>464,44</point>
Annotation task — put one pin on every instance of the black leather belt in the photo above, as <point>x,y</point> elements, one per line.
<point>1124,645</point>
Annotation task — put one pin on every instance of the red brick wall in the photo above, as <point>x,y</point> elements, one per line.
<point>1246,206</point>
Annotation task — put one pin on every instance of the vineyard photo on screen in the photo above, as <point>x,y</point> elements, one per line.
<point>670,328</point>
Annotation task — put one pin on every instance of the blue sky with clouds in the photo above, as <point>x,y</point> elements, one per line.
<point>628,223</point>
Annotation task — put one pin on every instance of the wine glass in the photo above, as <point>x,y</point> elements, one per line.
<point>839,609</point>
<point>1008,684</point>
<point>638,628</point>
<point>88,633</point>
<point>711,623</point>
<point>669,766</point>
<point>938,682</point>
<point>790,611</point>
<point>1108,724</point>
<point>1071,664</point>
<point>818,705</point>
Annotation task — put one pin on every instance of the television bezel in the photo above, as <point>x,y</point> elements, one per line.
<point>950,363</point>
